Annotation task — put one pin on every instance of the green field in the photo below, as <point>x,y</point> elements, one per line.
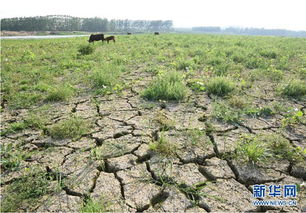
<point>86,111</point>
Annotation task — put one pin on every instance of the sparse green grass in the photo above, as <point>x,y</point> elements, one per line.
<point>260,112</point>
<point>264,147</point>
<point>223,112</point>
<point>163,121</point>
<point>293,117</point>
<point>12,156</point>
<point>34,120</point>
<point>236,109</point>
<point>196,85</point>
<point>105,79</point>
<point>25,192</point>
<point>294,89</point>
<point>96,206</point>
<point>250,149</point>
<point>220,86</point>
<point>238,102</point>
<point>29,67</point>
<point>169,86</point>
<point>72,127</point>
<point>164,147</point>
<point>193,193</point>
<point>195,136</point>
<point>60,93</point>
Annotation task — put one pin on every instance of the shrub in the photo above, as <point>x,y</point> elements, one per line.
<point>220,86</point>
<point>168,86</point>
<point>86,49</point>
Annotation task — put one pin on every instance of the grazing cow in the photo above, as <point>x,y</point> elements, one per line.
<point>110,38</point>
<point>156,33</point>
<point>96,37</point>
<point>129,33</point>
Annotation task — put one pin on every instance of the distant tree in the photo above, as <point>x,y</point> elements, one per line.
<point>69,23</point>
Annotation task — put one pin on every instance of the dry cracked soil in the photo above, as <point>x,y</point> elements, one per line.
<point>115,160</point>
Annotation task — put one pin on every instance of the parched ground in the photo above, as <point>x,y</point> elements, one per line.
<point>152,156</point>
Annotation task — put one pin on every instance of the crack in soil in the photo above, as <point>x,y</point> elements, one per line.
<point>120,180</point>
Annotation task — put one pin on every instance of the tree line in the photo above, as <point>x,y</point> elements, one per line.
<point>69,23</point>
<point>249,31</point>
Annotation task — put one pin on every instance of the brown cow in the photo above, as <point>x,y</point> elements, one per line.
<point>109,38</point>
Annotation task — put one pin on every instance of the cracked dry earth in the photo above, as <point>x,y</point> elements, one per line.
<point>133,178</point>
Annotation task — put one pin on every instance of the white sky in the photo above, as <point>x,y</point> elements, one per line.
<point>283,14</point>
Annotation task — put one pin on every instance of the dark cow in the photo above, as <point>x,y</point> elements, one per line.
<point>96,37</point>
<point>156,33</point>
<point>129,33</point>
<point>109,38</point>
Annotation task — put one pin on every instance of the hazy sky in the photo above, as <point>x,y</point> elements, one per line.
<point>285,14</point>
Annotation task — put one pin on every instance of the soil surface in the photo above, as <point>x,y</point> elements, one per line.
<point>129,173</point>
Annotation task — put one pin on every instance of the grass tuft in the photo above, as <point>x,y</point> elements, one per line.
<point>72,127</point>
<point>294,89</point>
<point>169,86</point>
<point>220,86</point>
<point>106,78</point>
<point>164,147</point>
<point>264,147</point>
<point>95,206</point>
<point>60,93</point>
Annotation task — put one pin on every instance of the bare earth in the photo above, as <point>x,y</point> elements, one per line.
<point>129,174</point>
